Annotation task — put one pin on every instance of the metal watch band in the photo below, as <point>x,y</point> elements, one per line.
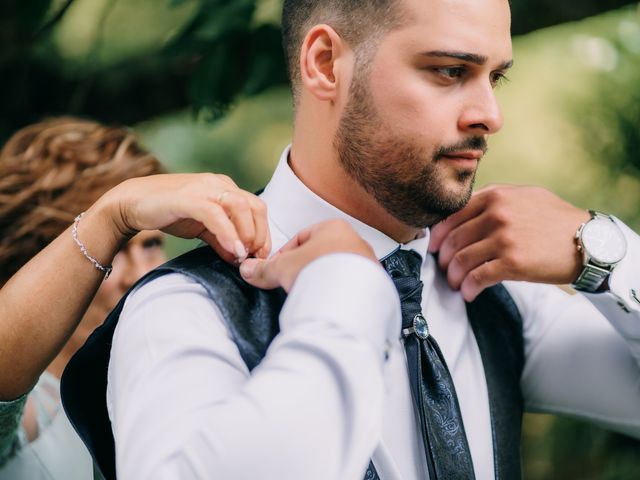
<point>591,278</point>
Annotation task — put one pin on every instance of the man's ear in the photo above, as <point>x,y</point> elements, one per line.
<point>322,62</point>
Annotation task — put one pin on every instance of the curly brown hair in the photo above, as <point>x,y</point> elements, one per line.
<point>53,170</point>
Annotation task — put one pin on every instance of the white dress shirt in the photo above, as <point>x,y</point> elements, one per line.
<point>333,389</point>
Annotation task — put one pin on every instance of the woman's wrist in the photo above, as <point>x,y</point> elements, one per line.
<point>115,209</point>
<point>103,230</point>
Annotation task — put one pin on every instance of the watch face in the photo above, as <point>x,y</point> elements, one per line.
<point>604,241</point>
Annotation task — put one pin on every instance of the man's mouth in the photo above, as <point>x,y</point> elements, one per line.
<point>467,159</point>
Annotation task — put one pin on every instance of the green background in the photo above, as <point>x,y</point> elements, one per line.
<point>202,82</point>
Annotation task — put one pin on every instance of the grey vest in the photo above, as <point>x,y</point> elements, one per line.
<point>252,318</point>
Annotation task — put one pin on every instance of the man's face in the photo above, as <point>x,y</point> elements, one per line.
<point>422,105</point>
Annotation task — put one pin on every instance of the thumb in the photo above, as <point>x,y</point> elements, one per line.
<point>260,273</point>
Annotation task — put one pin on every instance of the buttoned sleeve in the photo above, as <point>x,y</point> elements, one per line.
<point>583,350</point>
<point>183,404</point>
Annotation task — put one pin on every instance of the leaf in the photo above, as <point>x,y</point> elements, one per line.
<point>244,64</point>
<point>214,21</point>
<point>268,67</point>
<point>219,77</point>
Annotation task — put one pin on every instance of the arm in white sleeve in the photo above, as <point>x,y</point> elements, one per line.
<point>583,351</point>
<point>183,404</point>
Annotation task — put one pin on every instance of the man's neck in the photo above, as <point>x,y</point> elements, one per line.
<point>320,171</point>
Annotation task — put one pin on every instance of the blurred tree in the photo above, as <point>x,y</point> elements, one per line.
<point>226,49</point>
<point>585,452</point>
<point>221,52</point>
<point>217,50</point>
<point>530,15</point>
<point>610,116</point>
<point>609,119</point>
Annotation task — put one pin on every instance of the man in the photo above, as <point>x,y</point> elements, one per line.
<point>394,102</point>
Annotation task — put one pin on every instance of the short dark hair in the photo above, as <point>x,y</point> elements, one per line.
<point>356,21</point>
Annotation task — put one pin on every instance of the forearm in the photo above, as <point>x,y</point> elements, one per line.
<point>580,366</point>
<point>41,305</point>
<point>583,354</point>
<point>183,404</point>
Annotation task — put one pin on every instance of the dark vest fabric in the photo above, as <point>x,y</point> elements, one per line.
<point>251,316</point>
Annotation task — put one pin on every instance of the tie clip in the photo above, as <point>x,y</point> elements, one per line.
<point>420,327</point>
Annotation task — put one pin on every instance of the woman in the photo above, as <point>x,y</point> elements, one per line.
<point>50,173</point>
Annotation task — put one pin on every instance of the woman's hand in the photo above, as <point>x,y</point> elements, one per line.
<point>199,205</point>
<point>282,269</point>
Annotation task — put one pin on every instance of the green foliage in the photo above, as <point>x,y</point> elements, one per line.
<point>239,65</point>
<point>237,57</point>
<point>23,24</point>
<point>610,115</point>
<point>612,120</point>
<point>221,52</point>
<point>533,15</point>
<point>608,118</point>
<point>207,55</point>
<point>567,449</point>
<point>586,452</point>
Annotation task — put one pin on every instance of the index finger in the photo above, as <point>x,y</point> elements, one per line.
<point>300,238</point>
<point>440,231</point>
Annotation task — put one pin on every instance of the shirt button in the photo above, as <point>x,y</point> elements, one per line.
<point>387,350</point>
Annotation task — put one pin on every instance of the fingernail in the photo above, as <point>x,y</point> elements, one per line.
<point>248,267</point>
<point>241,252</point>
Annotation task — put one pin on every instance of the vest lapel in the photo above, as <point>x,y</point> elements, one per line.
<point>497,326</point>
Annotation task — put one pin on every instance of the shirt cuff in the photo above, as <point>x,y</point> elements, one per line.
<point>619,304</point>
<point>350,292</point>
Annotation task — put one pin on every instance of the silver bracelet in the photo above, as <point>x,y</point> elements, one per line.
<point>74,233</point>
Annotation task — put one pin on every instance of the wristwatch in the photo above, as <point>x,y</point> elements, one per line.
<point>602,245</point>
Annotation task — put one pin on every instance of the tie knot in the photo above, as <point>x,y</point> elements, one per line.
<point>403,263</point>
<point>404,268</point>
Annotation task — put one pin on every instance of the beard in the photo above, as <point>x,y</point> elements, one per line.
<point>402,176</point>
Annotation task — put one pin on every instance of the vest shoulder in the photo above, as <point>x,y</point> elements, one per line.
<point>217,276</point>
<point>251,314</point>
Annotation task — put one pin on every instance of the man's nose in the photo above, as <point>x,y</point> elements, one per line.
<point>482,114</point>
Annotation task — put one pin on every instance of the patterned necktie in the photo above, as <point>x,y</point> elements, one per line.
<point>445,441</point>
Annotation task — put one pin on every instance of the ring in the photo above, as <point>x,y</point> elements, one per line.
<point>220,198</point>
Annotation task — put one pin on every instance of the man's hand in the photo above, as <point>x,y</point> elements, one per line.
<point>281,269</point>
<point>200,205</point>
<point>509,233</point>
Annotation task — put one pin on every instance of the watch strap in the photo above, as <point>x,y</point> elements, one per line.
<point>596,214</point>
<point>591,278</point>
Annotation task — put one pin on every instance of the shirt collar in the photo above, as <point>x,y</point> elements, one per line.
<point>293,206</point>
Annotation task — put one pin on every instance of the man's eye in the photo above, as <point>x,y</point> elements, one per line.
<point>498,78</point>
<point>450,72</point>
